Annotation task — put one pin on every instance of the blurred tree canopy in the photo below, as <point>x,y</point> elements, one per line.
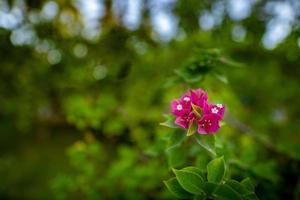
<point>84,86</point>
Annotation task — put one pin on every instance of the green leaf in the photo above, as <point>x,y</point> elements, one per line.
<point>175,140</point>
<point>221,77</point>
<point>197,110</point>
<point>209,188</point>
<point>250,196</point>
<point>225,192</point>
<point>231,63</point>
<point>247,183</point>
<point>170,122</point>
<point>190,181</point>
<point>188,75</point>
<point>192,129</point>
<point>177,156</point>
<point>238,187</point>
<point>175,188</point>
<point>216,170</point>
<point>195,170</point>
<point>202,160</point>
<point>199,197</point>
<point>207,142</point>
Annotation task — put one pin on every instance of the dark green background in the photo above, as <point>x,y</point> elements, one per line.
<point>87,126</point>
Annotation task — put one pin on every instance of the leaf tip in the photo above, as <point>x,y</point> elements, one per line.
<point>174,170</point>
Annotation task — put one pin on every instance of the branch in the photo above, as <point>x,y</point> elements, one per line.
<point>234,122</point>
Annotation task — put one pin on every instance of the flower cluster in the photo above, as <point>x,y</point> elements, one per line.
<point>194,108</point>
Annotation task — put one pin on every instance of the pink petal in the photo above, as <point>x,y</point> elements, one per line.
<point>199,97</point>
<point>215,109</point>
<point>202,131</point>
<point>182,122</point>
<point>209,123</point>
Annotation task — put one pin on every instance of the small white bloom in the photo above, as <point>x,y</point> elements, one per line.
<point>219,105</point>
<point>214,110</point>
<point>179,107</point>
<point>186,99</point>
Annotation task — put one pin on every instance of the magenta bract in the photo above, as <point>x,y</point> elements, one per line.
<point>210,114</point>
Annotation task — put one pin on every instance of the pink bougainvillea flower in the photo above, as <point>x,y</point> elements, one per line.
<point>194,107</point>
<point>208,124</point>
<point>185,121</point>
<point>199,97</point>
<point>216,109</point>
<point>185,100</point>
<point>179,108</point>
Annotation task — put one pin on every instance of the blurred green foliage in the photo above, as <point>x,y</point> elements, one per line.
<point>79,117</point>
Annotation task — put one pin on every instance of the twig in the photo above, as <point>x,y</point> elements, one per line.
<point>231,120</point>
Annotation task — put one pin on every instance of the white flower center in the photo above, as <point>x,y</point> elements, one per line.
<point>179,107</point>
<point>186,99</point>
<point>214,110</point>
<point>219,105</point>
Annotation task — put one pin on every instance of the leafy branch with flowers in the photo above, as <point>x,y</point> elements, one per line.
<point>201,120</point>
